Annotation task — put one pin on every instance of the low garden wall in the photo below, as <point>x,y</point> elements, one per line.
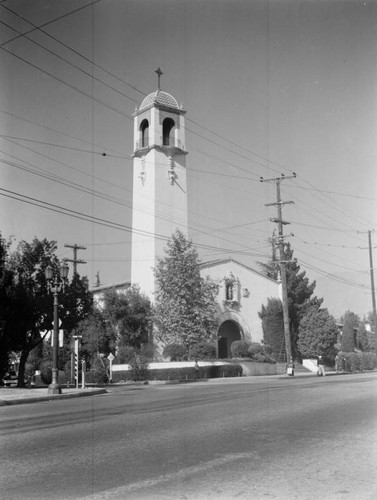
<point>184,370</point>
<point>251,369</point>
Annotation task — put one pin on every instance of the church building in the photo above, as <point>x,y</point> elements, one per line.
<point>160,207</point>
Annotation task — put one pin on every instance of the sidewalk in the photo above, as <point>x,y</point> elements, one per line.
<point>14,395</point>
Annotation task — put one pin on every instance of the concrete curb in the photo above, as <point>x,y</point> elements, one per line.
<point>37,399</point>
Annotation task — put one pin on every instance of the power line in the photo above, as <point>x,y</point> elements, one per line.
<point>90,75</point>
<point>66,83</point>
<point>218,135</point>
<point>39,28</point>
<point>93,2</point>
<point>104,222</point>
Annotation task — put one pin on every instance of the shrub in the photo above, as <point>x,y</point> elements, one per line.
<point>203,350</point>
<point>368,361</point>
<point>260,357</point>
<point>240,349</point>
<point>267,349</point>
<point>29,373</point>
<point>46,372</point>
<point>139,368</point>
<point>125,354</point>
<point>176,352</point>
<point>355,361</point>
<point>148,350</point>
<point>97,373</point>
<point>67,371</point>
<point>255,349</point>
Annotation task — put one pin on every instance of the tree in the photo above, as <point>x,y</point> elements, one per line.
<point>317,333</point>
<point>122,322</point>
<point>351,317</point>
<point>185,311</point>
<point>6,293</point>
<point>350,322</point>
<point>273,325</point>
<point>31,309</point>
<point>299,291</point>
<point>362,337</point>
<point>130,315</point>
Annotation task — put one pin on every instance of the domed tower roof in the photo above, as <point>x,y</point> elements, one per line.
<point>161,98</point>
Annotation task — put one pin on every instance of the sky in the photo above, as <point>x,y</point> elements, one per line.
<point>270,88</point>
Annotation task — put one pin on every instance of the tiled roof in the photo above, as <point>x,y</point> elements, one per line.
<point>159,97</point>
<point>114,286</point>
<point>217,262</point>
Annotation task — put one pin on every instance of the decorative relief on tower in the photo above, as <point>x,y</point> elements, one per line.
<point>143,173</point>
<point>172,176</point>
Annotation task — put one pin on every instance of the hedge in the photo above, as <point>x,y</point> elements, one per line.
<point>186,373</point>
<point>358,361</point>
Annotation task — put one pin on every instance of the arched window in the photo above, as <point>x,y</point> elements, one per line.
<point>144,133</point>
<point>167,127</point>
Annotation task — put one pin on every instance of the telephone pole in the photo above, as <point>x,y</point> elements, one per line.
<point>75,260</point>
<point>372,280</point>
<point>282,261</point>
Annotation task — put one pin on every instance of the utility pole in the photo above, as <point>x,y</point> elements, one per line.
<point>75,260</point>
<point>372,280</point>
<point>282,261</point>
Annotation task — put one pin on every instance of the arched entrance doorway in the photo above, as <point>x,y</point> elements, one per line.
<point>229,332</point>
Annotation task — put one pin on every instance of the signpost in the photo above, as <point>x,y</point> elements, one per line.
<point>76,359</point>
<point>111,358</point>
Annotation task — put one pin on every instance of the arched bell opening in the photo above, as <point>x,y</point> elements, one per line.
<point>167,128</point>
<point>144,133</point>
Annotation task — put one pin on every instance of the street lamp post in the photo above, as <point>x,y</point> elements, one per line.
<point>55,284</point>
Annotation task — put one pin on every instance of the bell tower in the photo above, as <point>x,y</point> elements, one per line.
<point>159,183</point>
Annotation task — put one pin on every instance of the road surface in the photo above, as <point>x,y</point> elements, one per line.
<point>249,438</point>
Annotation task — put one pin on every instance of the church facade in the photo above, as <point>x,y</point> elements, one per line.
<point>160,207</point>
<point>242,291</point>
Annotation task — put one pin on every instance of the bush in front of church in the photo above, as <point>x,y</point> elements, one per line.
<point>176,352</point>
<point>254,351</point>
<point>139,369</point>
<point>240,349</point>
<point>203,350</point>
<point>97,373</point>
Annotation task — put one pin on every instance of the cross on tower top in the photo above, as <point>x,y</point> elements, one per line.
<point>159,73</point>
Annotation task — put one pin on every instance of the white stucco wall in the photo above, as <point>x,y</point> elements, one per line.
<point>250,291</point>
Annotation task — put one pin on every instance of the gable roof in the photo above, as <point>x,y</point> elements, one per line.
<point>216,262</point>
<point>114,286</point>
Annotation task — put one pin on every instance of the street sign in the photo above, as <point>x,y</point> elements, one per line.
<point>111,357</point>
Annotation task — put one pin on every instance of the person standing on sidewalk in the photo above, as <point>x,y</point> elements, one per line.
<point>290,368</point>
<point>196,367</point>
<point>337,363</point>
<point>321,366</point>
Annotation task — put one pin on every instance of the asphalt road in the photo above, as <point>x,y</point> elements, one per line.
<point>250,438</point>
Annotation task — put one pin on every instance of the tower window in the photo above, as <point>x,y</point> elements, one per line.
<point>229,291</point>
<point>167,126</point>
<point>144,133</point>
